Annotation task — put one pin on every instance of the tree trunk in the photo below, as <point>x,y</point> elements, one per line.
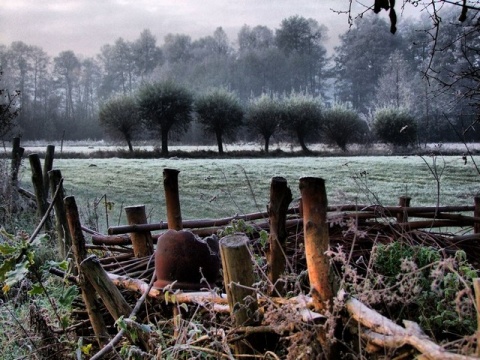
<point>218,134</point>
<point>130,147</point>
<point>267,143</point>
<point>164,142</point>
<point>301,140</point>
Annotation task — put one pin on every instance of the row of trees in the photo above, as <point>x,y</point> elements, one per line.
<point>370,70</point>
<point>166,107</point>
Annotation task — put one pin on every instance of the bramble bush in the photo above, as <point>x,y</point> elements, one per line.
<point>414,282</point>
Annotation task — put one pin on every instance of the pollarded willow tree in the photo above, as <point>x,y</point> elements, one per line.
<point>165,106</point>
<point>342,125</point>
<point>264,115</point>
<point>120,117</point>
<point>302,117</point>
<point>220,112</point>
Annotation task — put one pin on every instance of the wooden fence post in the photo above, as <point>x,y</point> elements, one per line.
<point>47,166</point>
<point>280,198</point>
<point>39,189</point>
<point>172,199</point>
<point>403,201</point>
<point>476,213</point>
<point>476,288</point>
<point>17,153</point>
<point>315,227</point>
<point>64,239</point>
<point>141,241</point>
<point>314,200</point>
<point>88,291</point>
<point>239,278</point>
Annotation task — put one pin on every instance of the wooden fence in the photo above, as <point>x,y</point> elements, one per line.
<point>127,253</point>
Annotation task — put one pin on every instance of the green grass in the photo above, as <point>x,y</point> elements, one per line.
<point>213,188</point>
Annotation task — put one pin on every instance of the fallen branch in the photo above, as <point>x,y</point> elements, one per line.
<point>385,333</point>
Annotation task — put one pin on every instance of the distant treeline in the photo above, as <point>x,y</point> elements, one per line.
<point>371,69</point>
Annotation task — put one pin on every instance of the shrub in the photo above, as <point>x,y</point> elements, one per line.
<point>395,126</point>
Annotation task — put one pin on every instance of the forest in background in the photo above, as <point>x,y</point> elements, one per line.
<point>370,69</point>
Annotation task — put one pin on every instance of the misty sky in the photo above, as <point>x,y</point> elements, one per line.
<point>85,25</point>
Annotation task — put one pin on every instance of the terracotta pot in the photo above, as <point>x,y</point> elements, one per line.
<point>182,257</point>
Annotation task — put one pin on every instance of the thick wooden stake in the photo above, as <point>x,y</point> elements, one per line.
<point>64,239</point>
<point>476,288</point>
<point>239,278</point>
<point>141,241</point>
<point>404,202</point>
<point>39,189</point>
<point>112,298</point>
<point>476,213</point>
<point>47,166</point>
<point>88,291</point>
<point>172,199</point>
<point>315,227</point>
<point>314,199</point>
<point>280,198</point>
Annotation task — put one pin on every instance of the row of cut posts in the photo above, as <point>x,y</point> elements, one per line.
<point>311,215</point>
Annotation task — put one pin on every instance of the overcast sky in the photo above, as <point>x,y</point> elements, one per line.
<point>85,25</point>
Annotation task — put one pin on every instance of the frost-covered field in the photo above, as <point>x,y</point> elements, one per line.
<point>92,146</point>
<point>212,188</point>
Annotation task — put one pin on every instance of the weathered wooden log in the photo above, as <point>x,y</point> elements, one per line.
<point>350,210</point>
<point>190,224</point>
<point>280,198</point>
<point>111,240</point>
<point>112,298</point>
<point>47,166</point>
<point>141,241</point>
<point>430,224</point>
<point>385,333</point>
<point>64,239</point>
<point>80,253</point>
<point>37,181</point>
<point>239,279</point>
<point>462,219</point>
<point>26,193</point>
<point>172,199</point>
<point>110,249</point>
<point>416,210</point>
